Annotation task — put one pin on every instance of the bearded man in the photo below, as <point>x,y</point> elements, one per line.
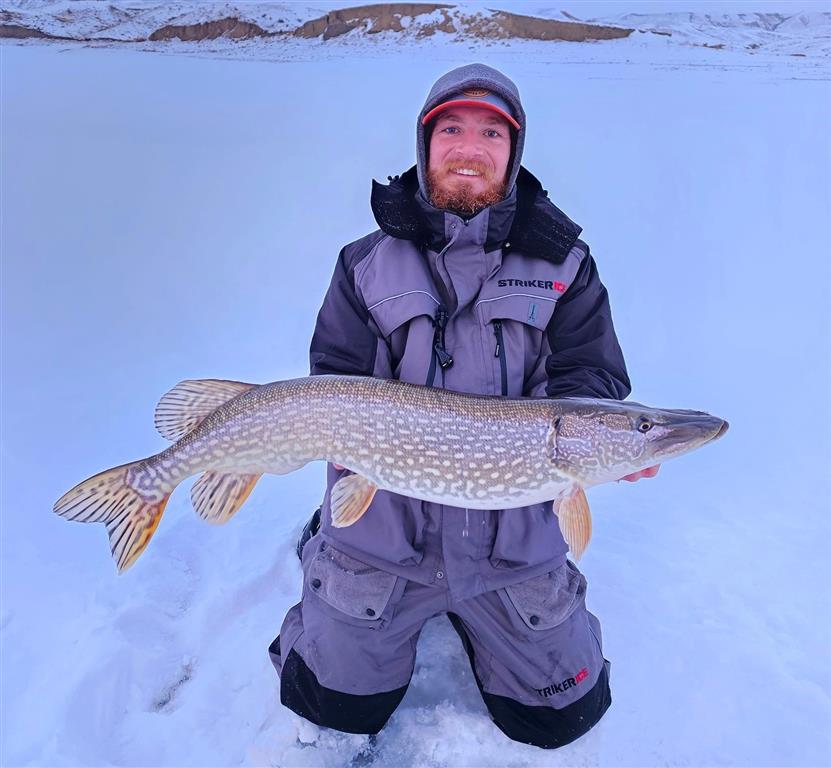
<point>474,282</point>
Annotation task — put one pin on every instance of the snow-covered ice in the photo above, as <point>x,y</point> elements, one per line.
<point>169,217</point>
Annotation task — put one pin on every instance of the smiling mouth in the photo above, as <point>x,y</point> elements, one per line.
<point>465,172</point>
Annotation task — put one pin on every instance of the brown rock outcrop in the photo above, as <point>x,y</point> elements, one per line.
<point>374,18</point>
<point>534,28</point>
<point>18,32</point>
<point>231,27</point>
<point>491,24</point>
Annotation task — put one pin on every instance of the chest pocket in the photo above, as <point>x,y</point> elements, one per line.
<point>405,322</point>
<point>398,292</point>
<point>517,322</point>
<point>391,312</point>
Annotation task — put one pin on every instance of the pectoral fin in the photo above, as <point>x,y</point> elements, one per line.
<point>351,496</point>
<point>575,521</point>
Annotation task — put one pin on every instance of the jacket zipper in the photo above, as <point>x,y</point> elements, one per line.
<point>500,353</point>
<point>440,353</point>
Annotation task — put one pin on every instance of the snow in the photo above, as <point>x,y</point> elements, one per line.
<point>178,216</point>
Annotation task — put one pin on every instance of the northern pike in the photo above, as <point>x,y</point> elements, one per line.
<point>462,450</point>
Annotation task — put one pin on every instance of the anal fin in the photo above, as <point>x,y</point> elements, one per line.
<point>575,521</point>
<point>216,496</point>
<point>351,497</point>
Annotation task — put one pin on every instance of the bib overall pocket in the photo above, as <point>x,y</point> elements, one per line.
<point>547,601</point>
<point>348,590</point>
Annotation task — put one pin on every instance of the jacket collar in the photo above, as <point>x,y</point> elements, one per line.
<point>528,222</point>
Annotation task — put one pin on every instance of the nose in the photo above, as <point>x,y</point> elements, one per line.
<point>470,145</point>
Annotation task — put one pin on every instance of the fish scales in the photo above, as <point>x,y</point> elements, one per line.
<point>278,427</point>
<point>457,449</point>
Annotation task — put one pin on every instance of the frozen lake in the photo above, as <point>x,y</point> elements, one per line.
<point>169,217</point>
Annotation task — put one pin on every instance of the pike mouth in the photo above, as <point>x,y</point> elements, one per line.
<point>722,430</point>
<point>687,435</point>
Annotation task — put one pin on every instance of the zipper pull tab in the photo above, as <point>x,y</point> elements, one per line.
<point>445,358</point>
<point>497,331</point>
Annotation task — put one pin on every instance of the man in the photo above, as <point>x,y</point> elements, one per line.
<point>474,282</point>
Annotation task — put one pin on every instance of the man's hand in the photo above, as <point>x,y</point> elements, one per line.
<point>648,472</point>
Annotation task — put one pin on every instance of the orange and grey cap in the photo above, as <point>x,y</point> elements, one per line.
<point>474,97</point>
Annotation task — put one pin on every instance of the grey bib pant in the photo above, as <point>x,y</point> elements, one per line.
<point>346,652</point>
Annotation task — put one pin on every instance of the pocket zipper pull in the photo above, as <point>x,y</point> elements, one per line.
<point>445,358</point>
<point>497,331</point>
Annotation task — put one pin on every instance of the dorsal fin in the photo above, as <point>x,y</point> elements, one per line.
<point>191,401</point>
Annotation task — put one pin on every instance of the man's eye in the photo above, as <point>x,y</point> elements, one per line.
<point>450,129</point>
<point>492,133</point>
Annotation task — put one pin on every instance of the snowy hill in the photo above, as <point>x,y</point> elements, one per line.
<point>285,29</point>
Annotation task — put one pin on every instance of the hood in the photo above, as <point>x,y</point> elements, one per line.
<point>526,221</point>
<point>471,76</point>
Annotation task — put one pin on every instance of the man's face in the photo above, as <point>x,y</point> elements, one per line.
<point>468,159</point>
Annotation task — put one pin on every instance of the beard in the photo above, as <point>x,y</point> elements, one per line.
<point>452,192</point>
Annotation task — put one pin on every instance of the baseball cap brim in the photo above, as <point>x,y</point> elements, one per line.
<point>469,103</point>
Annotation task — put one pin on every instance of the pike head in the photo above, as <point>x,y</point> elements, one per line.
<point>597,441</point>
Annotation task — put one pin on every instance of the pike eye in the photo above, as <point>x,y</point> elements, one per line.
<point>644,425</point>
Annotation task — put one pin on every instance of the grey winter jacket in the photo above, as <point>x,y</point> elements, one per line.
<point>508,302</point>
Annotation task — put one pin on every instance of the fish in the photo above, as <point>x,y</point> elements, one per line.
<point>462,450</point>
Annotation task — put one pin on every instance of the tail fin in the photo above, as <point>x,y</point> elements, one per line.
<point>108,497</point>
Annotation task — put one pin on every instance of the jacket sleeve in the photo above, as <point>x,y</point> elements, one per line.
<point>343,342</point>
<point>585,359</point>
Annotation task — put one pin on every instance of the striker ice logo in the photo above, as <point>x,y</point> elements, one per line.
<point>551,285</point>
<point>569,682</point>
<point>476,93</point>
